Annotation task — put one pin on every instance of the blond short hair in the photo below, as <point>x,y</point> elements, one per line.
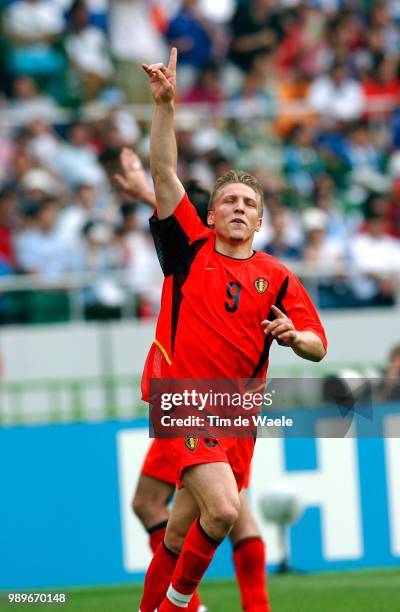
<point>237,176</point>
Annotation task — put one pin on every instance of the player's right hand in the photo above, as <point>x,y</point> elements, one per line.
<point>132,178</point>
<point>163,79</point>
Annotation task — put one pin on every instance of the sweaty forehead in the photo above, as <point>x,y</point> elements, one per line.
<point>237,189</point>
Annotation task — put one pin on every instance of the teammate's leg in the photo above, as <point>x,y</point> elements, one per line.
<point>213,487</point>
<point>249,560</point>
<point>149,503</point>
<point>158,576</point>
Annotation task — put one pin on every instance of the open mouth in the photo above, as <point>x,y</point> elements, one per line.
<point>238,221</point>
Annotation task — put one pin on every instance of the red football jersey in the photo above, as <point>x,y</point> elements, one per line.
<point>212,305</point>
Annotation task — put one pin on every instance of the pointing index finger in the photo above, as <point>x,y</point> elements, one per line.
<point>278,313</point>
<point>172,59</point>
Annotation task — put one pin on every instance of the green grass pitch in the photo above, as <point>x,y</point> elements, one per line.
<point>361,591</point>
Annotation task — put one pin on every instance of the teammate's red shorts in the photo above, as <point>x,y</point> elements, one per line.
<point>157,466</point>
<point>167,458</point>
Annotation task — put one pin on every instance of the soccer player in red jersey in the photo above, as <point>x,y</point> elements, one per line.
<point>154,490</point>
<point>222,306</point>
<point>156,483</point>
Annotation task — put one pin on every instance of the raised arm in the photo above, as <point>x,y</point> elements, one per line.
<point>163,152</point>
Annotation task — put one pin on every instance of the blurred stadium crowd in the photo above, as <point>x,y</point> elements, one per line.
<point>304,95</point>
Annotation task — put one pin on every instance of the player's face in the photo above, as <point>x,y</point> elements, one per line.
<point>235,215</point>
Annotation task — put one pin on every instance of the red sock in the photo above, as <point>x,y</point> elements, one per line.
<point>157,578</point>
<point>249,561</point>
<point>197,553</point>
<point>156,535</point>
<point>195,603</point>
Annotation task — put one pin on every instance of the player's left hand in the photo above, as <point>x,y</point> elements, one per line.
<point>282,328</point>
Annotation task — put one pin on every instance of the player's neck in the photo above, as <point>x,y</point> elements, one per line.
<point>238,250</point>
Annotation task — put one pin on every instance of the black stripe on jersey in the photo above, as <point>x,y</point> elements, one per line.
<point>180,278</point>
<point>269,339</point>
<point>170,241</point>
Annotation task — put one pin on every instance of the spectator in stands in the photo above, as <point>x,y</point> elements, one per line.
<point>77,214</point>
<point>303,163</point>
<point>28,104</point>
<point>8,206</point>
<point>394,210</point>
<point>376,256</point>
<point>103,297</point>
<point>7,147</point>
<point>39,183</point>
<point>336,95</point>
<point>303,44</point>
<point>134,39</point>
<point>195,37</point>
<point>207,88</point>
<point>120,117</point>
<point>140,261</point>
<point>318,249</point>
<point>257,94</point>
<point>256,28</point>
<point>361,155</point>
<point>321,252</point>
<point>32,27</point>
<point>39,249</point>
<point>292,90</point>
<point>380,18</point>
<point>21,163</point>
<point>280,244</point>
<point>44,142</point>
<point>89,64</point>
<point>325,198</point>
<point>77,160</point>
<point>382,87</point>
<point>345,38</point>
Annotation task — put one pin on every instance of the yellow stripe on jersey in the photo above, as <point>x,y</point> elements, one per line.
<point>164,352</point>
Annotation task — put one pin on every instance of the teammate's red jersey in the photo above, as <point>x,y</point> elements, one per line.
<point>212,305</point>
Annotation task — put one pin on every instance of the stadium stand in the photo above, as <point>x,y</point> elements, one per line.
<point>302,94</point>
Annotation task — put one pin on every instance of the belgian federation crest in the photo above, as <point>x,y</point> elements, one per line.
<point>261,284</point>
<point>191,441</point>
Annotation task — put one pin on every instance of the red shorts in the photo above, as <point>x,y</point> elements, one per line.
<point>157,466</point>
<point>166,459</point>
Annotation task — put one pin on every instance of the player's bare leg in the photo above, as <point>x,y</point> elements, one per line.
<point>184,511</point>
<point>150,500</point>
<point>249,560</point>
<point>149,503</point>
<point>214,489</point>
<point>245,526</point>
